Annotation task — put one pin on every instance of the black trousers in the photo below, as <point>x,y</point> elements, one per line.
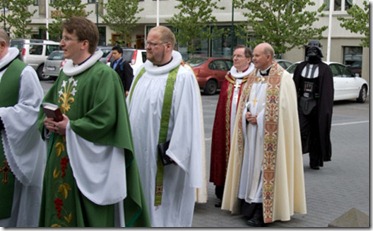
<point>219,190</point>
<point>249,209</point>
<point>310,135</point>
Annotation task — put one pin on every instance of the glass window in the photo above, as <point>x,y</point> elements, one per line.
<point>229,64</point>
<point>91,1</point>
<point>346,72</point>
<point>352,57</point>
<point>339,5</point>
<point>335,70</point>
<point>36,2</point>
<point>219,65</point>
<point>51,48</point>
<point>36,49</point>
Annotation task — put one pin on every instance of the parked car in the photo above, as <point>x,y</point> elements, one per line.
<point>52,65</point>
<point>136,57</point>
<point>106,50</point>
<point>34,52</point>
<point>284,63</point>
<point>346,85</point>
<point>210,72</point>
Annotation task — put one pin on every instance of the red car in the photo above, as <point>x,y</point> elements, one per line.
<point>210,72</point>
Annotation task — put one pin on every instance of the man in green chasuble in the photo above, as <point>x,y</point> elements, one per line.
<point>22,151</point>
<point>91,178</point>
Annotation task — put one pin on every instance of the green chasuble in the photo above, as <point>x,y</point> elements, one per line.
<point>95,104</point>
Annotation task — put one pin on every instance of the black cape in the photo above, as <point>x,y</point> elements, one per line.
<point>325,104</point>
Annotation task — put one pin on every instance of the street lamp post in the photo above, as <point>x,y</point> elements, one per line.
<point>96,13</point>
<point>232,28</point>
<point>4,14</point>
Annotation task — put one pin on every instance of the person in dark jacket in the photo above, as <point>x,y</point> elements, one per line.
<point>314,84</point>
<point>122,67</point>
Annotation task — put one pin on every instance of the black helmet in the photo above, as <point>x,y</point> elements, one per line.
<point>314,49</point>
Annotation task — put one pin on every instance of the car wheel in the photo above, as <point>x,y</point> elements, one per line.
<point>362,95</point>
<point>40,73</point>
<point>210,87</point>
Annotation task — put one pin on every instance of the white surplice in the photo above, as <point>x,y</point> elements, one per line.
<point>180,180</point>
<point>24,149</point>
<point>251,174</point>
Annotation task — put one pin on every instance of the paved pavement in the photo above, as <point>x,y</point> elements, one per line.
<point>342,184</point>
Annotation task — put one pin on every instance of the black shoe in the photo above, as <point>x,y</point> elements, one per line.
<point>315,167</point>
<point>257,220</point>
<point>218,204</point>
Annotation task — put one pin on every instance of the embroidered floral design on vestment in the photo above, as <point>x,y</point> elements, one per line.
<point>62,186</point>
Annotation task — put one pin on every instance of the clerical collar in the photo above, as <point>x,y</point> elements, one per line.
<point>265,72</point>
<point>161,65</point>
<point>83,61</point>
<point>243,70</point>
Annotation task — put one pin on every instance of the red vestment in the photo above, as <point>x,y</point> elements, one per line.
<point>220,143</point>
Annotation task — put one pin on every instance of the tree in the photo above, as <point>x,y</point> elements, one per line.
<point>64,9</point>
<point>359,22</point>
<point>18,17</point>
<point>193,22</point>
<point>120,17</point>
<point>284,24</point>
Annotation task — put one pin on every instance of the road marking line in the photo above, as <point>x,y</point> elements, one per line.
<point>350,123</point>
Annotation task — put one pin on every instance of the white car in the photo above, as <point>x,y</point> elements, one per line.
<point>347,86</point>
<point>135,57</point>
<point>34,52</point>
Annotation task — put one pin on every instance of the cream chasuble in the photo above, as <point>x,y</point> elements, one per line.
<point>281,167</point>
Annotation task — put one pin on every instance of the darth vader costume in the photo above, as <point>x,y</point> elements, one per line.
<point>314,84</point>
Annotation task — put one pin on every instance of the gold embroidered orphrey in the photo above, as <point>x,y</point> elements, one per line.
<point>232,82</point>
<point>270,135</point>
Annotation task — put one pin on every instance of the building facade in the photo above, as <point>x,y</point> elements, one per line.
<point>344,46</point>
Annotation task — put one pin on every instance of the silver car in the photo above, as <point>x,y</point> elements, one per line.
<point>52,65</point>
<point>35,51</point>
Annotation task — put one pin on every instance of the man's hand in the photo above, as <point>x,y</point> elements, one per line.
<point>251,118</point>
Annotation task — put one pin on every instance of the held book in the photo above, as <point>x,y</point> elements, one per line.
<point>52,111</point>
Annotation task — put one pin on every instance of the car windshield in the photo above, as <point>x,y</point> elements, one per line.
<point>193,62</point>
<point>291,69</point>
<point>105,51</point>
<point>56,55</point>
<point>127,54</point>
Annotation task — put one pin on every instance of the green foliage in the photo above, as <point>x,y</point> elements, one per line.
<point>193,22</point>
<point>121,17</point>
<point>18,17</point>
<point>284,24</point>
<point>358,22</point>
<point>64,9</point>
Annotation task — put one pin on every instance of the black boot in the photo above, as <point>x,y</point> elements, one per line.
<point>218,204</point>
<point>257,220</point>
<point>219,194</point>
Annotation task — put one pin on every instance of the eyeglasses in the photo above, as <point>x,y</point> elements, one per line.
<point>151,44</point>
<point>67,39</point>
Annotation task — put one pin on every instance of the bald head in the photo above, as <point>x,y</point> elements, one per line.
<point>263,56</point>
<point>166,35</point>
<point>160,43</point>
